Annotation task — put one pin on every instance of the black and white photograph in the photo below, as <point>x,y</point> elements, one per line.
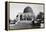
<point>24,15</point>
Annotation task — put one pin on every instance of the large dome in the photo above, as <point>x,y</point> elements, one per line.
<point>28,9</point>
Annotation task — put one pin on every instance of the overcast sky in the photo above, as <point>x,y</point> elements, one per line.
<point>16,8</point>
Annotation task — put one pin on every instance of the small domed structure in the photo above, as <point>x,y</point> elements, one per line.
<point>28,9</point>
